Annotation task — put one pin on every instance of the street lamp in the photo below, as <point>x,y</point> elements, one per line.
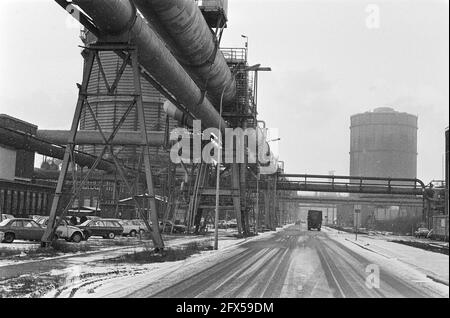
<point>255,68</point>
<point>246,45</point>
<point>246,40</point>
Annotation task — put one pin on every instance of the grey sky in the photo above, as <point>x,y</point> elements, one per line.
<point>327,65</point>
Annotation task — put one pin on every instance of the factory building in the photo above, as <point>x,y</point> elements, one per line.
<point>18,194</point>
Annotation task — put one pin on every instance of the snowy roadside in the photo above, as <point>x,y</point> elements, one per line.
<point>81,274</point>
<point>151,275</point>
<point>23,252</point>
<point>433,266</point>
<point>124,279</point>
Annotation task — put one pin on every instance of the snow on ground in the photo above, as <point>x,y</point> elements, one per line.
<point>121,280</point>
<point>20,245</point>
<point>94,246</point>
<point>86,274</point>
<point>412,263</point>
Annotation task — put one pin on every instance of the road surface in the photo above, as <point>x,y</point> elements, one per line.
<point>294,263</point>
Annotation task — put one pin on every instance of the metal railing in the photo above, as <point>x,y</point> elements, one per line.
<point>349,184</point>
<point>213,4</point>
<point>234,55</point>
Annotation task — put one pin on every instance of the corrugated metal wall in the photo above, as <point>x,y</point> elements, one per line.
<point>22,199</point>
<point>110,109</point>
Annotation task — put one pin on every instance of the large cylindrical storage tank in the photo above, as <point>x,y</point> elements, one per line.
<point>383,144</point>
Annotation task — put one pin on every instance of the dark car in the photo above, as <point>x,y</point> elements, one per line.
<point>21,229</point>
<point>177,228</point>
<point>107,229</point>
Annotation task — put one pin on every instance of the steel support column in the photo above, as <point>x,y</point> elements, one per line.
<point>243,187</point>
<point>267,209</point>
<point>49,232</point>
<point>235,175</point>
<point>257,212</point>
<point>156,235</point>
<point>136,96</point>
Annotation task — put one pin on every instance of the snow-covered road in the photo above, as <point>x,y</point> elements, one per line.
<point>292,262</point>
<point>298,263</point>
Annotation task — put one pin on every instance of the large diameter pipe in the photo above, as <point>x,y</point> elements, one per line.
<point>92,137</point>
<point>172,111</point>
<point>112,17</point>
<point>182,26</point>
<point>18,140</point>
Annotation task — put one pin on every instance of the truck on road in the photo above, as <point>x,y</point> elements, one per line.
<point>314,220</point>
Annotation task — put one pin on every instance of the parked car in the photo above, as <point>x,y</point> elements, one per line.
<point>92,217</point>
<point>72,220</point>
<point>37,218</point>
<point>222,224</point>
<point>177,228</point>
<point>65,230</point>
<point>232,224</point>
<point>21,229</point>
<point>422,232</point>
<point>129,228</point>
<point>6,216</point>
<point>105,229</point>
<point>2,236</point>
<point>141,224</point>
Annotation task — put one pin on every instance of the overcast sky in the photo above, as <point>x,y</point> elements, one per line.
<point>327,65</point>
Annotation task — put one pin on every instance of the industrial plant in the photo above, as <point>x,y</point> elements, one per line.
<point>155,73</point>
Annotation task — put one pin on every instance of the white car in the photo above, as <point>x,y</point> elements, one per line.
<point>141,224</point>
<point>130,228</point>
<point>65,231</point>
<point>6,217</point>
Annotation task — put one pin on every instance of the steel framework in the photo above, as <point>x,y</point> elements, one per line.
<point>130,54</point>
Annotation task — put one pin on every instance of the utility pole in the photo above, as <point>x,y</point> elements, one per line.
<point>257,200</point>
<point>356,218</point>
